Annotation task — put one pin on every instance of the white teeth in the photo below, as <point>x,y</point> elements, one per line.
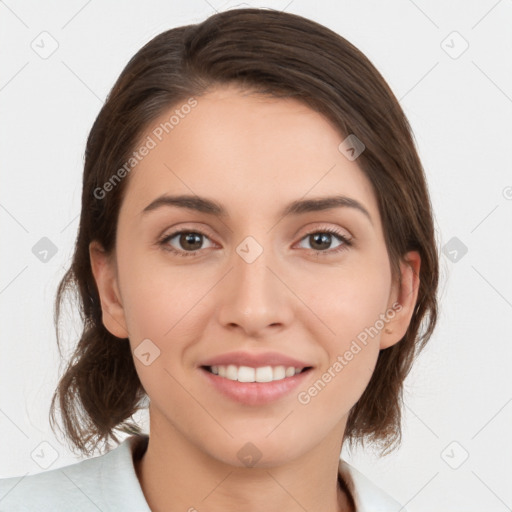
<point>231,372</point>
<point>264,374</point>
<point>243,374</point>
<point>278,372</point>
<point>290,371</point>
<point>260,374</point>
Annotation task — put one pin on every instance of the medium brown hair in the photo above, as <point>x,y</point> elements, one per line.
<point>282,55</point>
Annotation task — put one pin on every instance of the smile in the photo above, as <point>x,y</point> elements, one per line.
<point>254,386</point>
<point>249,374</point>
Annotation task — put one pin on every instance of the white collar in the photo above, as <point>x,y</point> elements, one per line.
<point>367,496</point>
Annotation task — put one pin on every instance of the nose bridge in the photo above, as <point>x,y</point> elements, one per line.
<point>255,298</point>
<point>253,279</point>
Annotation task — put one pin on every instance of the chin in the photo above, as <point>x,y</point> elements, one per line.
<point>260,452</point>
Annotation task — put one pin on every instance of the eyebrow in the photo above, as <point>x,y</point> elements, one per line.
<point>204,205</point>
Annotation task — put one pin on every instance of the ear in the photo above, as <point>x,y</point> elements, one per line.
<point>402,300</point>
<point>105,274</point>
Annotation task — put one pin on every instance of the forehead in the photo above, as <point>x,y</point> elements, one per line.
<point>244,150</point>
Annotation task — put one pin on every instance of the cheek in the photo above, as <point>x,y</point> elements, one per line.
<point>351,312</point>
<point>165,315</point>
<point>351,355</point>
<point>342,383</point>
<point>157,297</point>
<point>348,300</point>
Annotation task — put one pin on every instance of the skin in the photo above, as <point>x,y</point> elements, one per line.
<point>253,155</point>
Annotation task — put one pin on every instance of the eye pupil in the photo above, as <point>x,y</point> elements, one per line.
<point>319,239</point>
<point>194,239</point>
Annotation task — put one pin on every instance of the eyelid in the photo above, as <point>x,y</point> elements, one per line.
<point>174,230</point>
<point>319,226</point>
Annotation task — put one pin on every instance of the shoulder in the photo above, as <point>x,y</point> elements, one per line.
<point>368,497</point>
<point>106,482</point>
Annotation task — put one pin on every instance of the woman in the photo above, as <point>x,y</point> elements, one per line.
<point>255,257</point>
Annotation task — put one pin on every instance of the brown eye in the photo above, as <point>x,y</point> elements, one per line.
<point>320,241</point>
<point>187,243</point>
<point>190,241</point>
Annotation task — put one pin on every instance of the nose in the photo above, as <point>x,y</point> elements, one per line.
<point>254,296</point>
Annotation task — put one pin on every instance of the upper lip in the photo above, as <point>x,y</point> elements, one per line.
<point>254,360</point>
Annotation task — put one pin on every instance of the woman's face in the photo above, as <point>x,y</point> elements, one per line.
<point>251,285</point>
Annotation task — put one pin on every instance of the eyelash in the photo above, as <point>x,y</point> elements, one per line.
<point>346,242</point>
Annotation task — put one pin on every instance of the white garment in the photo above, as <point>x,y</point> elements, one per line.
<point>109,483</point>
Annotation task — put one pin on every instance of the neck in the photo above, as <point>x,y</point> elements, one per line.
<point>175,477</point>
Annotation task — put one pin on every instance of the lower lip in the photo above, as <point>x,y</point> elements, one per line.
<point>255,393</point>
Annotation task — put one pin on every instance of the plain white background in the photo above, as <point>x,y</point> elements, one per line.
<point>456,451</point>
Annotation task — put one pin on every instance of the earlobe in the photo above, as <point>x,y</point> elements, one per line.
<point>402,300</point>
<point>104,272</point>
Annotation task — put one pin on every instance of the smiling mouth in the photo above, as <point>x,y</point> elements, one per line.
<point>260,374</point>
